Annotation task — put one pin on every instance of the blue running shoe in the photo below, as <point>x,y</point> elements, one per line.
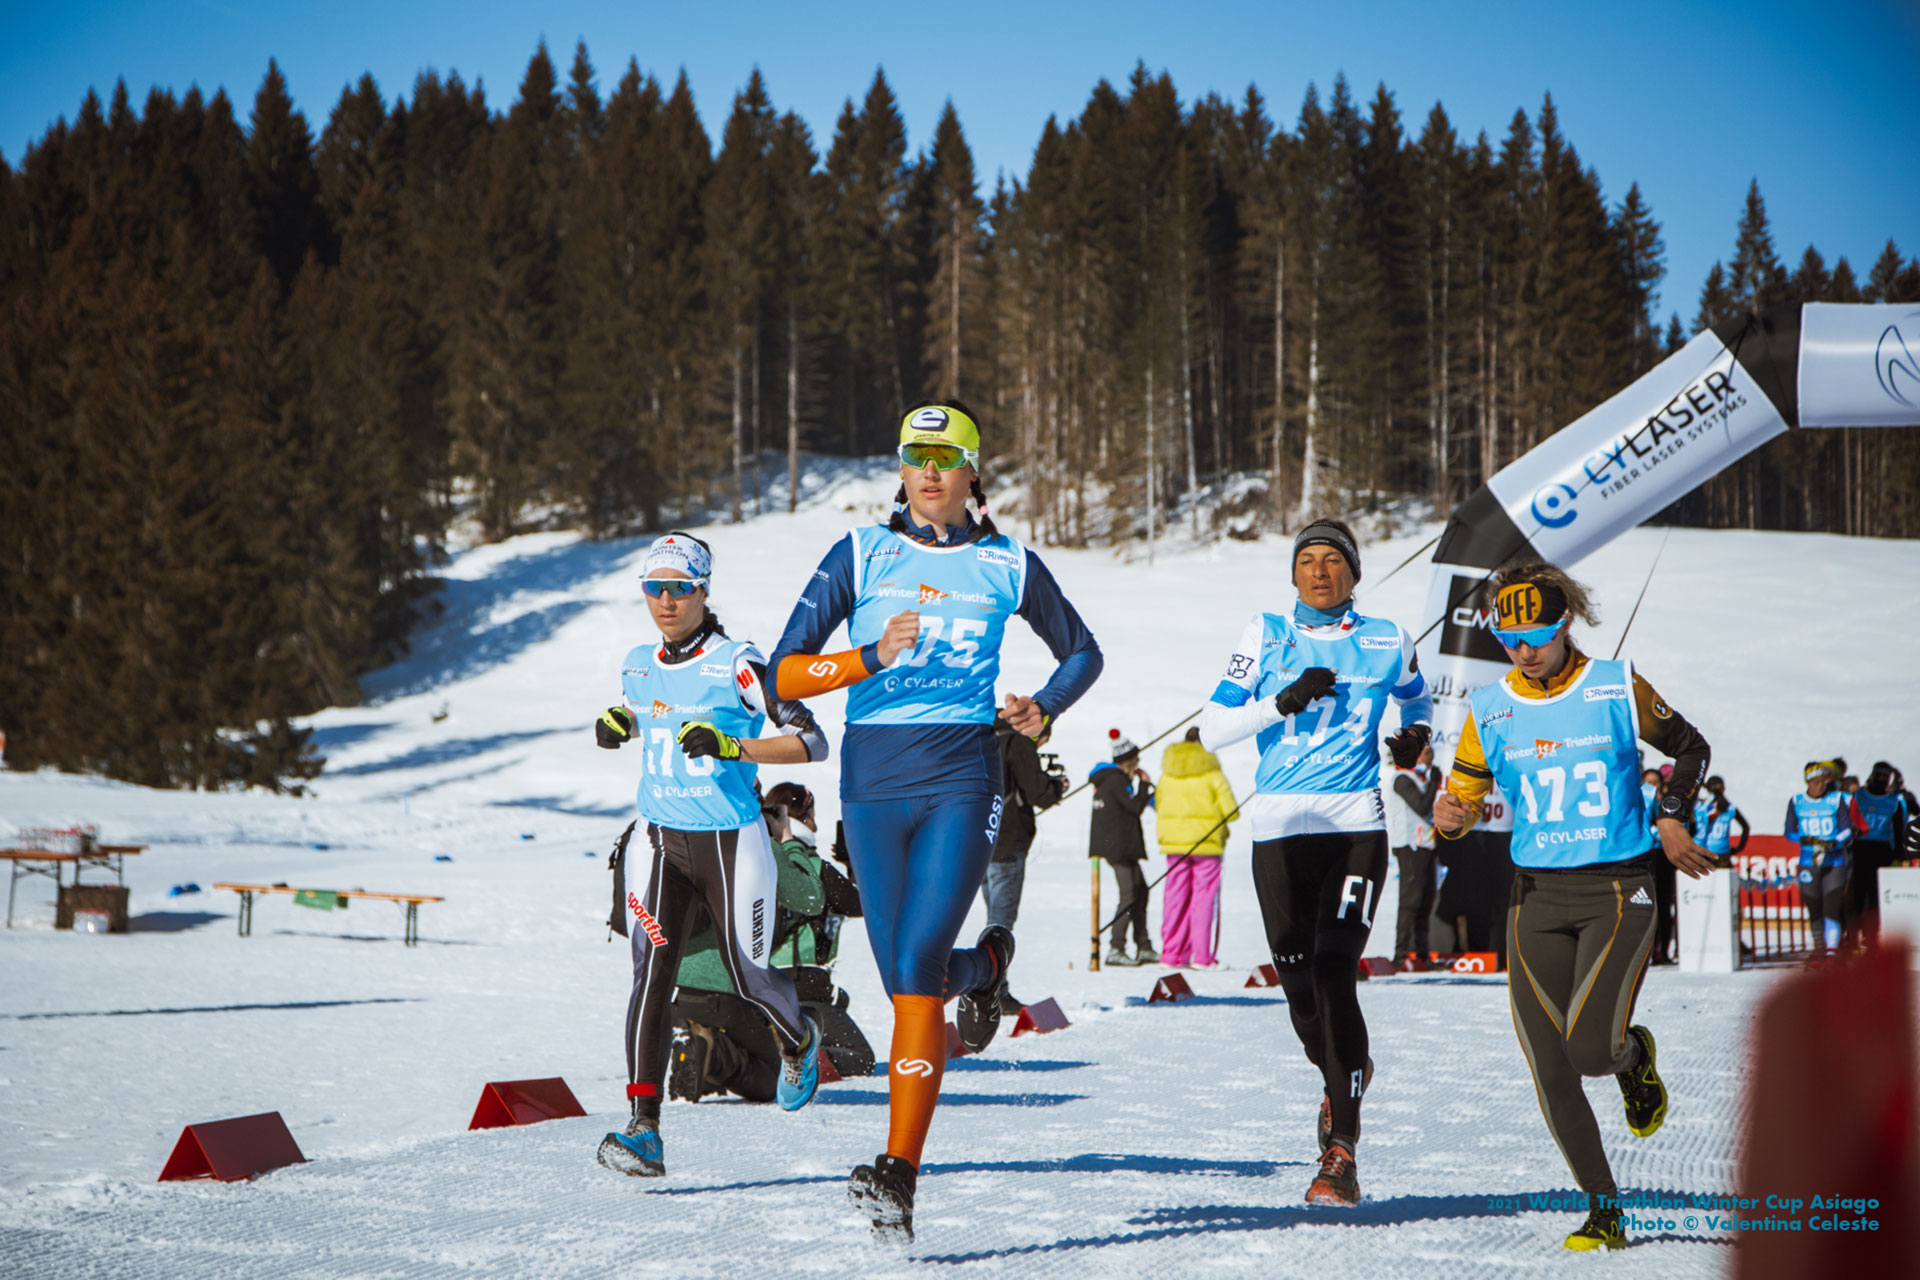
<point>637,1152</point>
<point>800,1070</point>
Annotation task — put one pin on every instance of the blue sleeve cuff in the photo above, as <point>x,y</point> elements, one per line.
<point>1229,694</point>
<point>870,657</point>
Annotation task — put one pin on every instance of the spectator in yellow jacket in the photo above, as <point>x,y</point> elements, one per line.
<point>1195,805</point>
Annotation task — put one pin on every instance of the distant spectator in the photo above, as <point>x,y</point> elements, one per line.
<point>1121,792</point>
<point>1883,816</point>
<point>1408,801</point>
<point>1666,905</point>
<point>1714,819</point>
<point>1821,819</point>
<point>1027,785</point>
<point>1192,811</point>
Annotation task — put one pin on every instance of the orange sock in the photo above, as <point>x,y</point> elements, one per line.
<point>913,1077</point>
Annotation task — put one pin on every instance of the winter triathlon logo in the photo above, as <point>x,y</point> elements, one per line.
<point>1544,747</point>
<point>931,595</point>
<point>661,709</point>
<point>1553,505</point>
<point>1897,367</point>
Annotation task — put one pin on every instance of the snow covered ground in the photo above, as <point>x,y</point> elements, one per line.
<point>1141,1140</point>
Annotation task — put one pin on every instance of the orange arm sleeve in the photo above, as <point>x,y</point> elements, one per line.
<point>806,675</point>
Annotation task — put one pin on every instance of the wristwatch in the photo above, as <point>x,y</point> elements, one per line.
<point>1672,806</point>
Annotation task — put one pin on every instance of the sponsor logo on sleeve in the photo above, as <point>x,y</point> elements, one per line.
<point>821,669</point>
<point>1602,692</point>
<point>1662,710</point>
<point>745,677</point>
<point>1239,667</point>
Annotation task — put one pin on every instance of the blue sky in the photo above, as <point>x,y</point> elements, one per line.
<point>1691,99</point>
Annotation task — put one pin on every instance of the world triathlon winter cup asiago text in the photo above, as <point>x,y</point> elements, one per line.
<point>1659,1211</point>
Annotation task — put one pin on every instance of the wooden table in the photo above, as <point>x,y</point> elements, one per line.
<point>411,901</point>
<point>48,862</point>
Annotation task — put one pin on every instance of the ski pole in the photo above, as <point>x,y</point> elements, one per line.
<point>1156,880</point>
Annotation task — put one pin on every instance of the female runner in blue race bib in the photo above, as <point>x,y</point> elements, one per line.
<point>694,704</point>
<point>1558,736</point>
<point>926,598</point>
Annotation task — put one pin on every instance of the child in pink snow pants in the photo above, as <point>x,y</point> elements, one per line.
<point>1193,808</point>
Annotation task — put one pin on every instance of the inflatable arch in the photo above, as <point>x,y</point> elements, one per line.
<point>1720,397</point>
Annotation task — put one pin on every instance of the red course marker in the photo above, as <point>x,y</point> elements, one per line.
<point>232,1150</point>
<point>1040,1018</point>
<point>1265,976</point>
<point>1172,989</point>
<point>504,1103</point>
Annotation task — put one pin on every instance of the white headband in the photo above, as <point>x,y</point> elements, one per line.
<point>678,551</point>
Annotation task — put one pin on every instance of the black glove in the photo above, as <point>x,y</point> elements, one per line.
<point>1314,682</point>
<point>1406,745</point>
<point>614,727</point>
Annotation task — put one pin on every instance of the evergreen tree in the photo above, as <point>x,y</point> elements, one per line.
<point>1755,280</point>
<point>958,250</point>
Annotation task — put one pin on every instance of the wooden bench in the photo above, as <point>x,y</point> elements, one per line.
<point>49,862</point>
<point>411,901</point>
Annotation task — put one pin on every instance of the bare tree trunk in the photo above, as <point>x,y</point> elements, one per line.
<point>1444,485</point>
<point>953,271</point>
<point>1186,391</point>
<point>1151,468</point>
<point>738,414</point>
<point>1279,365</point>
<point>793,405</point>
<point>756,411</point>
<point>1309,461</point>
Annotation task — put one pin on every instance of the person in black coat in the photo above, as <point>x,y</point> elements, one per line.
<point>1121,793</point>
<point>1026,784</point>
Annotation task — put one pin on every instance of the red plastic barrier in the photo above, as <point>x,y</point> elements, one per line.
<point>1848,1032</point>
<point>504,1103</point>
<point>1773,919</point>
<point>1265,976</point>
<point>829,1074</point>
<point>1378,966</point>
<point>1171,989</point>
<point>232,1150</point>
<point>954,1048</point>
<point>1040,1018</point>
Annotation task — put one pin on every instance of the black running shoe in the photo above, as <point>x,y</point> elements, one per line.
<point>883,1191</point>
<point>1324,1130</point>
<point>976,1015</point>
<point>1641,1091</point>
<point>1602,1229</point>
<point>687,1065</point>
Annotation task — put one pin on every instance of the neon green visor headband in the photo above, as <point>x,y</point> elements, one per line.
<point>941,424</point>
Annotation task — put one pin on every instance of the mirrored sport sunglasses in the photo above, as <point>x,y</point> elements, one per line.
<point>673,588</point>
<point>946,457</point>
<point>1533,636</point>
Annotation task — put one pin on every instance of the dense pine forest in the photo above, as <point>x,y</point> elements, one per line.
<point>251,378</point>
